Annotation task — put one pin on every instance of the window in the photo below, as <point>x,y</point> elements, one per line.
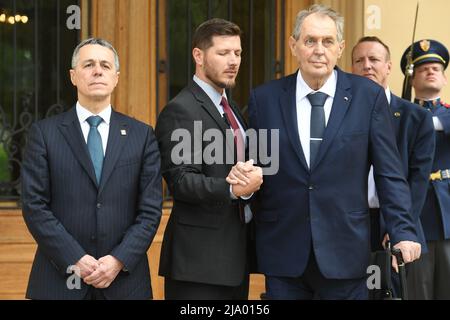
<point>257,20</point>
<point>263,48</point>
<point>35,52</point>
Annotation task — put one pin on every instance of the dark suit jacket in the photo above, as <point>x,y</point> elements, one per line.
<point>436,210</point>
<point>326,208</point>
<point>205,240</point>
<point>69,215</point>
<point>414,130</point>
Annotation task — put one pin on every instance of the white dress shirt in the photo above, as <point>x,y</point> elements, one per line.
<point>304,107</point>
<point>103,127</point>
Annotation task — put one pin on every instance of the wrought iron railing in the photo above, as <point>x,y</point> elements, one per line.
<point>35,54</point>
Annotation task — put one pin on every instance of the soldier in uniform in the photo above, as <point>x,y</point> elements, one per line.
<point>428,278</point>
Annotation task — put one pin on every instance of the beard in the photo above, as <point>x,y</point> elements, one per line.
<point>230,84</point>
<point>214,76</point>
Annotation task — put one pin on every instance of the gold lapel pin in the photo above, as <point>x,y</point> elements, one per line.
<point>397,114</point>
<point>123,132</point>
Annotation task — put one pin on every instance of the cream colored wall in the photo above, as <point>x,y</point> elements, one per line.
<point>393,23</point>
<point>396,24</point>
<point>352,11</point>
<point>292,7</point>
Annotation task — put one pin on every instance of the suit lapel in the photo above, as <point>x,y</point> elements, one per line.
<point>341,102</point>
<point>394,105</point>
<point>238,114</point>
<point>71,130</point>
<point>208,105</point>
<point>288,108</point>
<point>211,109</point>
<point>396,112</point>
<point>117,137</point>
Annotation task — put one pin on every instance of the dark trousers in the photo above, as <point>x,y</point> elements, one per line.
<point>94,294</point>
<point>429,276</point>
<point>313,285</point>
<point>185,290</point>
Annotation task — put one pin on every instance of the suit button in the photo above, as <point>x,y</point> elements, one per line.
<point>93,238</point>
<point>99,205</point>
<point>311,187</point>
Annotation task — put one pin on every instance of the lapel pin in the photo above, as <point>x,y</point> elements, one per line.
<point>345,98</point>
<point>397,114</point>
<point>123,132</point>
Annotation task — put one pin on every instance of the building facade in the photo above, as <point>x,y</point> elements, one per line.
<point>153,38</point>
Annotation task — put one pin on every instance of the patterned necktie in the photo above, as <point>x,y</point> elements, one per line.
<point>238,139</point>
<point>95,146</point>
<point>317,128</point>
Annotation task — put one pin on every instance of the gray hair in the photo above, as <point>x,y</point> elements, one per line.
<point>324,11</point>
<point>100,42</point>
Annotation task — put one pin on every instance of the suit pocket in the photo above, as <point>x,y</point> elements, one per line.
<point>359,213</point>
<point>204,220</point>
<point>359,221</point>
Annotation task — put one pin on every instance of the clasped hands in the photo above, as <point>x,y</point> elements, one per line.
<point>99,273</point>
<point>245,178</point>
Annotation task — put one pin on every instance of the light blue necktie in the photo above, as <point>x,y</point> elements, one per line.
<point>95,146</point>
<point>317,101</point>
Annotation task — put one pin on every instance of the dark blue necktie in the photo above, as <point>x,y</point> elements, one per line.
<point>95,147</point>
<point>317,128</point>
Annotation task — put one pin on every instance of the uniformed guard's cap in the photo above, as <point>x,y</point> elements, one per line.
<point>425,51</point>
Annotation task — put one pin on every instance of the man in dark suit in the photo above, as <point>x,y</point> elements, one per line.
<point>428,278</point>
<point>92,193</point>
<point>205,250</point>
<point>413,128</point>
<point>312,226</point>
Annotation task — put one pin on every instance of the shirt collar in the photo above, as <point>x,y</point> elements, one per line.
<point>388,94</point>
<point>212,93</point>
<point>329,87</point>
<point>423,102</point>
<point>84,113</point>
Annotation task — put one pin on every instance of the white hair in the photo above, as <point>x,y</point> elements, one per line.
<point>322,10</point>
<point>100,42</point>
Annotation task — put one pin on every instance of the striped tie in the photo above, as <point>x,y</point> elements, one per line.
<point>317,128</point>
<point>95,146</point>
